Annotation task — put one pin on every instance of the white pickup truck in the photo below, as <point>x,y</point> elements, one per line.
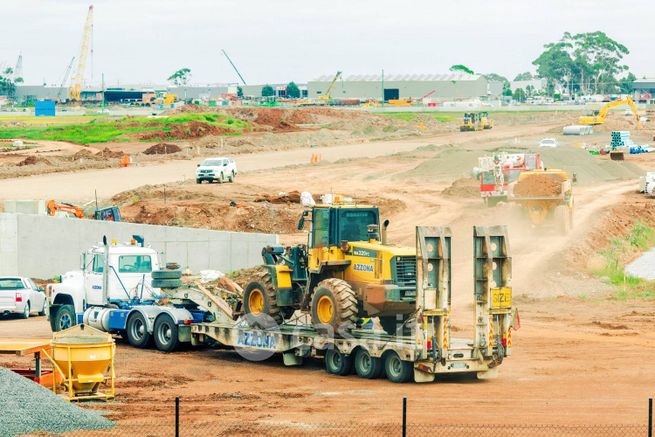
<point>19,295</point>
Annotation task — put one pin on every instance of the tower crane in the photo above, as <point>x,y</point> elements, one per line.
<point>63,81</point>
<point>18,70</point>
<point>85,47</point>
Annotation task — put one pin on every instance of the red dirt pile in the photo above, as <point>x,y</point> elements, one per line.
<point>194,129</point>
<point>107,153</point>
<point>162,149</point>
<point>31,160</point>
<point>539,185</point>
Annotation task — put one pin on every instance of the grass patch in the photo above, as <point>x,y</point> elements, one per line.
<point>416,116</point>
<point>641,237</point>
<point>104,129</point>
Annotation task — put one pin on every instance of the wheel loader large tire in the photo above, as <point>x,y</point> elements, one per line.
<point>260,296</point>
<point>166,283</point>
<point>334,303</point>
<point>167,274</point>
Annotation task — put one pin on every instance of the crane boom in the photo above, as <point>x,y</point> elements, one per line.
<point>327,95</point>
<point>63,81</point>
<point>234,66</point>
<point>85,47</point>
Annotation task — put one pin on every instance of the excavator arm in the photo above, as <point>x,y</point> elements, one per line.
<point>602,114</point>
<point>54,207</point>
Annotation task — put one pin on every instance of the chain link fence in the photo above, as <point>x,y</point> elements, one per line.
<point>177,419</point>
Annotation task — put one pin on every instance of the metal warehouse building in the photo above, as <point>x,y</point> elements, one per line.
<point>415,86</point>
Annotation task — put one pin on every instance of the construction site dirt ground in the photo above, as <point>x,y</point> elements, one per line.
<point>582,356</point>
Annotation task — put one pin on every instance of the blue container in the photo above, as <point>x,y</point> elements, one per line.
<point>44,108</point>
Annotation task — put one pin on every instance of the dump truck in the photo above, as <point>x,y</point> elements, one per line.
<point>546,196</point>
<point>496,172</point>
<point>117,302</point>
<point>347,270</point>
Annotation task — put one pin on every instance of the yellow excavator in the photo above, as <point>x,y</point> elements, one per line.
<point>598,117</point>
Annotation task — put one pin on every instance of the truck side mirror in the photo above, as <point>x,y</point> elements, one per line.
<point>301,223</point>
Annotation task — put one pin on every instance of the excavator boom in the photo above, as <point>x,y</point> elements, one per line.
<point>602,114</point>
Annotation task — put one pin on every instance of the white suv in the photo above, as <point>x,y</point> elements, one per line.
<point>216,169</point>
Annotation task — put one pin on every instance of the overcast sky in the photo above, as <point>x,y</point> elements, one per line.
<point>144,41</point>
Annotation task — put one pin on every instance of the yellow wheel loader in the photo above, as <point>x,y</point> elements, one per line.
<point>345,272</point>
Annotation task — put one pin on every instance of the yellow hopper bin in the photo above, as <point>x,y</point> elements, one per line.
<point>84,358</point>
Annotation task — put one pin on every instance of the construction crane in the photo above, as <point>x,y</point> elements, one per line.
<point>18,70</point>
<point>234,66</point>
<point>327,95</point>
<point>85,47</point>
<point>63,81</point>
<point>598,117</point>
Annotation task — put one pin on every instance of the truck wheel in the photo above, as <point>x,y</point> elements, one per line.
<point>221,179</point>
<point>367,366</point>
<point>230,178</point>
<point>137,331</point>
<point>396,369</point>
<point>64,318</point>
<point>166,274</point>
<point>337,363</point>
<point>42,312</point>
<point>334,303</point>
<point>198,181</point>
<point>165,333</point>
<point>260,297</point>
<point>26,311</point>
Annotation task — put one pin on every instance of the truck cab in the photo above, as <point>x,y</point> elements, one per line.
<point>129,278</point>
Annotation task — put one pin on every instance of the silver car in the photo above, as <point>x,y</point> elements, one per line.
<point>20,295</point>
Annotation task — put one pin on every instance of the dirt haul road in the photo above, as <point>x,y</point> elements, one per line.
<point>80,186</point>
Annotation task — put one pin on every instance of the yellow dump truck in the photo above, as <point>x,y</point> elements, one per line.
<point>546,196</point>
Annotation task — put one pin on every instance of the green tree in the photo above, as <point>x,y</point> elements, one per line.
<point>293,91</point>
<point>524,76</point>
<point>239,91</point>
<point>267,91</point>
<point>461,68</point>
<point>181,77</point>
<point>529,91</point>
<point>625,84</point>
<point>7,84</point>
<point>496,78</point>
<point>519,95</point>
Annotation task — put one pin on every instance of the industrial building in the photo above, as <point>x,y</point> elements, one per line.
<point>643,89</point>
<point>438,87</point>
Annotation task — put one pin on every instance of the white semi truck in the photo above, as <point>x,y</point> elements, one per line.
<point>130,296</point>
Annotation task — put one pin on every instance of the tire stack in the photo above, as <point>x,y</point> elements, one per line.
<point>167,279</point>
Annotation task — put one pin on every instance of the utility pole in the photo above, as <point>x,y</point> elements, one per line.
<point>382,82</point>
<point>103,93</point>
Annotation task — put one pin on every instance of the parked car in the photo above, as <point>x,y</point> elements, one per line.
<point>22,296</point>
<point>548,142</point>
<point>216,169</point>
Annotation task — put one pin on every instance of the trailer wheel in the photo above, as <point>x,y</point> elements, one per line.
<point>367,366</point>
<point>337,363</point>
<point>334,303</point>
<point>165,333</point>
<point>260,297</point>
<point>137,331</point>
<point>396,369</point>
<point>64,318</point>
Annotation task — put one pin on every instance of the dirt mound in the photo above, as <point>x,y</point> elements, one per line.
<point>85,154</point>
<point>539,185</point>
<point>181,131</point>
<point>290,197</point>
<point>162,149</point>
<point>32,160</point>
<point>464,187</point>
<point>108,153</point>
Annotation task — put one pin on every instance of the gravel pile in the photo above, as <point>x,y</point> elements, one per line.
<point>26,407</point>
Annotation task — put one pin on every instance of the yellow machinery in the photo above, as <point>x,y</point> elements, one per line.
<point>546,196</point>
<point>85,48</point>
<point>328,93</point>
<point>598,117</point>
<point>400,102</point>
<point>474,121</point>
<point>346,271</point>
<point>84,359</point>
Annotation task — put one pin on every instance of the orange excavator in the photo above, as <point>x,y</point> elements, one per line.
<point>64,208</point>
<point>111,213</point>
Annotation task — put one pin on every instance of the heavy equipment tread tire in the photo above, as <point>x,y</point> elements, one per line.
<point>198,181</point>
<point>367,366</point>
<point>397,370</point>
<point>64,318</point>
<point>166,283</point>
<point>26,312</point>
<point>263,282</point>
<point>165,341</point>
<point>343,298</point>
<point>135,324</point>
<point>337,363</point>
<point>166,274</point>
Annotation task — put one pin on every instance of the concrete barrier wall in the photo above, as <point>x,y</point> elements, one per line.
<point>43,246</point>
